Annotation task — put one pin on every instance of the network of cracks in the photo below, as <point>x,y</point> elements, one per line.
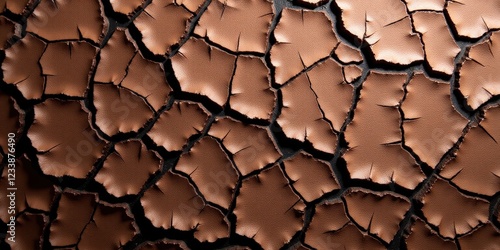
<point>226,124</point>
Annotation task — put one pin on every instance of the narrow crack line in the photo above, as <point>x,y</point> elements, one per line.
<point>319,106</point>
<point>488,133</point>
<point>419,192</point>
<point>87,224</point>
<point>359,227</point>
<point>290,183</point>
<point>230,87</point>
<point>226,50</point>
<point>306,69</point>
<point>192,26</point>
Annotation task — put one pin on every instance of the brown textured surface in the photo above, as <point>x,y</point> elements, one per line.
<point>472,20</point>
<point>439,47</point>
<point>453,213</point>
<point>374,137</point>
<point>250,83</point>
<point>195,61</point>
<point>67,67</point>
<point>21,66</point>
<point>301,117</point>
<point>311,178</point>
<point>331,229</point>
<point>479,73</point>
<point>162,24</point>
<point>268,210</point>
<point>476,166</point>
<point>377,213</point>
<point>126,7</point>
<point>225,23</point>
<point>250,146</point>
<point>118,110</point>
<point>432,125</point>
<point>385,26</point>
<point>211,171</point>
<point>64,19</point>
<point>64,150</point>
<point>423,237</point>
<point>177,124</point>
<point>126,170</point>
<point>302,38</point>
<point>74,212</point>
<point>15,6</point>
<point>173,203</point>
<point>486,237</point>
<point>255,124</point>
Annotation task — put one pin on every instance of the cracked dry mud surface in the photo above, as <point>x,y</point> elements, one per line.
<point>256,124</point>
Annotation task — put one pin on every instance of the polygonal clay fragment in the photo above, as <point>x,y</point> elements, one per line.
<point>123,65</point>
<point>73,214</point>
<point>435,5</point>
<point>251,83</point>
<point>422,237</point>
<point>66,67</point>
<point>473,20</point>
<point>267,209</point>
<point>347,54</point>
<point>333,96</point>
<point>486,237</point>
<point>14,6</point>
<point>479,75</point>
<point>374,137</point>
<point>115,58</point>
<point>118,110</point>
<point>176,125</point>
<point>10,120</point>
<point>476,167</point>
<point>126,7</point>
<point>62,134</point>
<point>310,177</point>
<point>432,125</point>
<point>203,69</point>
<point>173,203</point>
<point>166,244</point>
<point>351,73</point>
<point>125,171</point>
<point>7,30</point>
<point>21,68</point>
<point>210,169</point>
<point>65,20</point>
<point>110,228</point>
<point>302,117</point>
<point>162,24</point>
<point>378,213</point>
<point>33,189</point>
<point>439,46</point>
<point>330,229</point>
<point>147,79</point>
<point>240,26</point>
<point>191,5</point>
<point>385,26</point>
<point>211,226</point>
<point>453,213</point>
<point>29,231</point>
<point>250,146</point>
<point>302,38</point>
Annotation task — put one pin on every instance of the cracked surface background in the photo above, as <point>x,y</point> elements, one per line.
<point>304,124</point>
